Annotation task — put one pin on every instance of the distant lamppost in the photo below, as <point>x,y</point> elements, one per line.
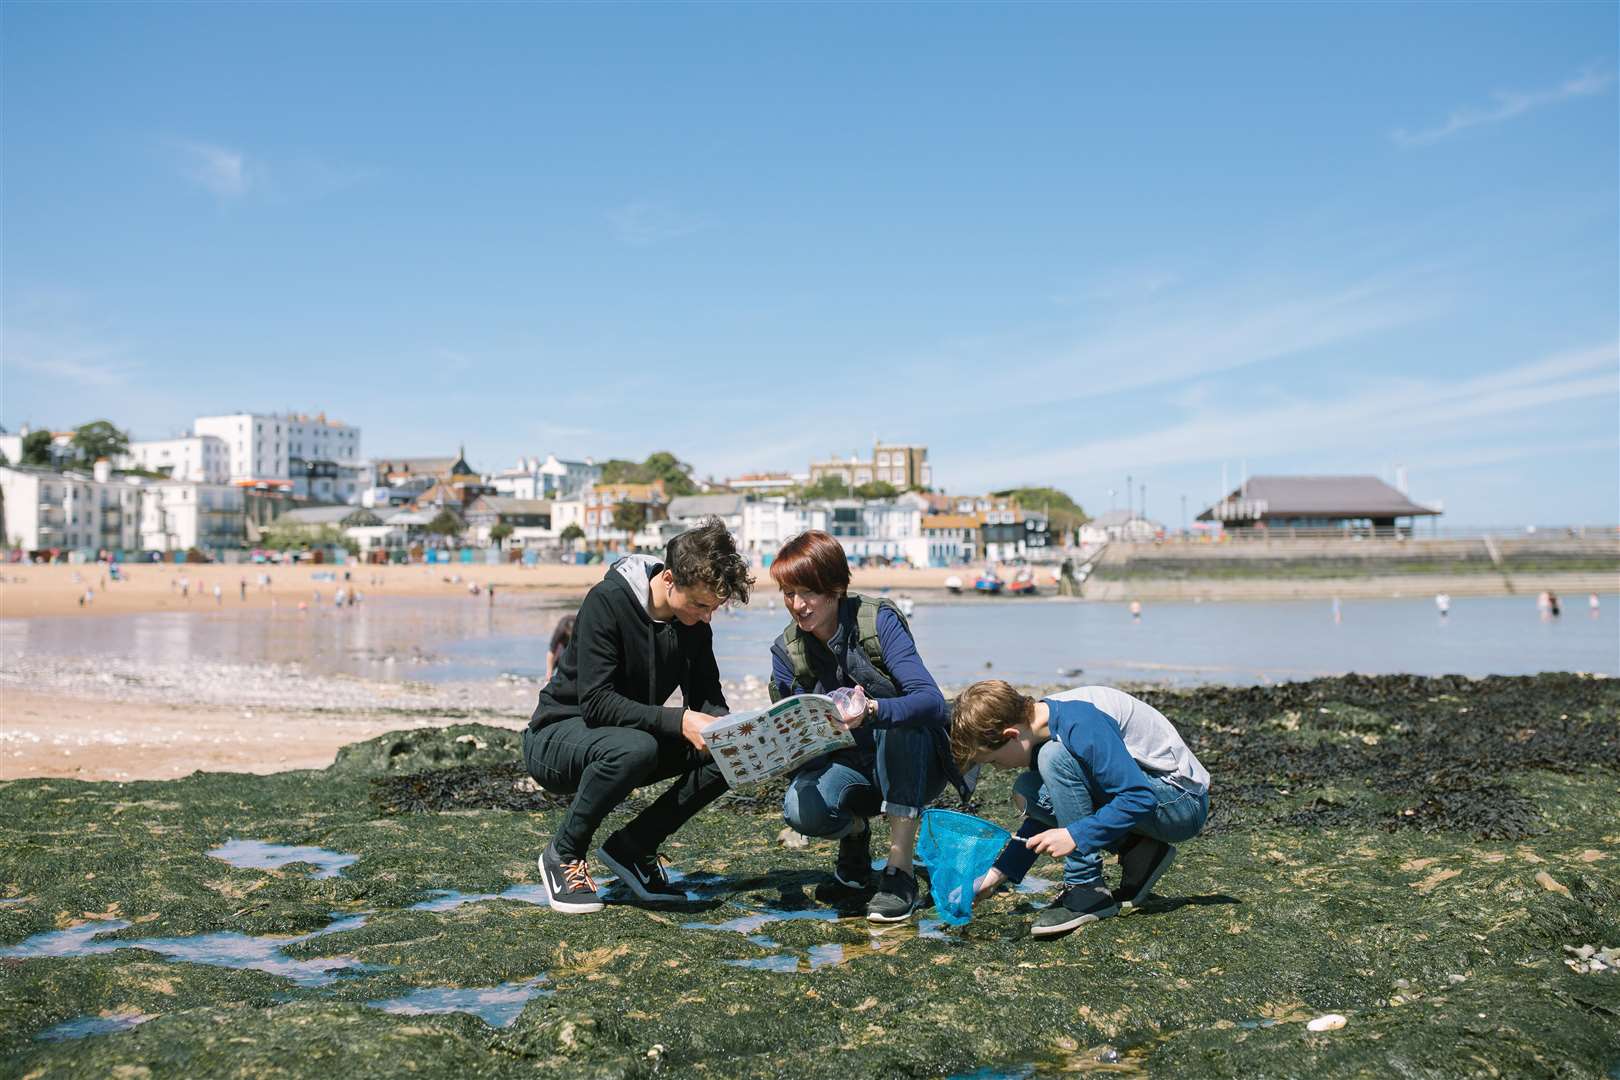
<point>1184,513</point>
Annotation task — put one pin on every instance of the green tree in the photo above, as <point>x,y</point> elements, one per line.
<point>629,517</point>
<point>830,486</point>
<point>36,448</point>
<point>675,473</point>
<point>1062,512</point>
<point>499,532</point>
<point>877,489</point>
<point>571,533</point>
<point>99,439</point>
<point>446,523</point>
<point>662,465</point>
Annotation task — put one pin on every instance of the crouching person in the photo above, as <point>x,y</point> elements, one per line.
<point>1105,773</point>
<point>901,758</point>
<point>601,730</point>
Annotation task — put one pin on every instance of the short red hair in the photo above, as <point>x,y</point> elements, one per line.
<point>812,562</point>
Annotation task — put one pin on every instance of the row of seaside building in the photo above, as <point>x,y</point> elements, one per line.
<point>220,487</point>
<point>235,476</point>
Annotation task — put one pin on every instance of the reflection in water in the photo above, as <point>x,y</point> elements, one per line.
<point>449,899</point>
<point>226,948</point>
<point>1028,642</point>
<point>881,939</point>
<point>497,1006</point>
<point>257,854</point>
<point>85,1026</point>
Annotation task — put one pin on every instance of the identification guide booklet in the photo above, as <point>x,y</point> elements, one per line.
<point>751,746</point>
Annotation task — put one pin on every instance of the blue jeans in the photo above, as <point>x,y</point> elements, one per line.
<point>1058,795</point>
<point>898,775</point>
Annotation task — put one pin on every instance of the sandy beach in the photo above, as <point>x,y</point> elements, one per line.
<point>30,589</point>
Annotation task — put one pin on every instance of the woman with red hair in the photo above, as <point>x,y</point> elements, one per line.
<point>901,758</point>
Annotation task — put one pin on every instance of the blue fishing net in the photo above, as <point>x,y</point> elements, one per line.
<point>958,849</point>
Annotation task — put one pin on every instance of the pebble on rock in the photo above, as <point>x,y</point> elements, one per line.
<point>1327,1022</point>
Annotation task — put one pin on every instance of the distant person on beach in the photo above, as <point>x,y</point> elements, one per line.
<point>1104,772</point>
<point>901,758</point>
<point>242,587</point>
<point>1136,610</point>
<point>600,729</point>
<point>1338,612</point>
<point>1552,605</point>
<point>1593,604</point>
<point>560,637</point>
<point>219,596</point>
<point>1442,604</point>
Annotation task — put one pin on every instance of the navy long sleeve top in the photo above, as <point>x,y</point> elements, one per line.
<point>920,701</point>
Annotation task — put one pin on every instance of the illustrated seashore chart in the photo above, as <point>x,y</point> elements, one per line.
<point>753,745</point>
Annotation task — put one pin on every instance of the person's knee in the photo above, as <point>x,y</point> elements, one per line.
<point>1056,764</point>
<point>806,811</point>
<point>907,742</point>
<point>635,754</point>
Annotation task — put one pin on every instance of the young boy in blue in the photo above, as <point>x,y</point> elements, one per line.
<point>1106,772</point>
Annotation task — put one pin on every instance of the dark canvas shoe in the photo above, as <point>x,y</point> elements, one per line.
<point>1142,862</point>
<point>641,874</point>
<point>854,867</point>
<point>569,887</point>
<point>1074,907</point>
<point>895,899</point>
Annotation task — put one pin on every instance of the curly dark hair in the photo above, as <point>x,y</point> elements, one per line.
<point>707,555</point>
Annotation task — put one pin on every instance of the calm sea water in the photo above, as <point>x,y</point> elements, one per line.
<point>1026,641</point>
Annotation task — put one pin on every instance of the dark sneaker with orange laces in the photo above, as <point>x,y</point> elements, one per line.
<point>569,887</point>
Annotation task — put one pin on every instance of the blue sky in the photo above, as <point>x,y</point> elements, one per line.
<point>1057,244</point>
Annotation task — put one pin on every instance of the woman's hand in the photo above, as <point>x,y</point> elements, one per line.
<point>1054,842</point>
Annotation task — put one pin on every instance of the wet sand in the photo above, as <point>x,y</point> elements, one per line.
<point>81,738</point>
<point>28,590</point>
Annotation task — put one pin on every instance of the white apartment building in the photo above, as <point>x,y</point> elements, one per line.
<point>261,446</point>
<point>176,515</point>
<point>770,523</point>
<point>75,510</point>
<point>202,459</point>
<point>332,481</point>
<point>553,478</point>
<point>566,512</point>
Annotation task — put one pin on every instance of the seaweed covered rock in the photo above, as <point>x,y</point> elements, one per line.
<point>417,941</point>
<point>420,749</point>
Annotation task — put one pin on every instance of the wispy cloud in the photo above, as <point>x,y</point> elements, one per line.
<point>1506,105</point>
<point>219,170</point>
<point>1395,408</point>
<point>643,223</point>
<point>231,174</point>
<point>1203,330</point>
<point>66,358</point>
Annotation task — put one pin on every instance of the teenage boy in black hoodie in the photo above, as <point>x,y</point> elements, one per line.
<point>601,729</point>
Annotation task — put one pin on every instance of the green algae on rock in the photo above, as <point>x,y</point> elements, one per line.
<point>1435,932</point>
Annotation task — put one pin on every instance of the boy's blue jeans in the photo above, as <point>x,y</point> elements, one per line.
<point>1057,794</point>
<point>899,775</point>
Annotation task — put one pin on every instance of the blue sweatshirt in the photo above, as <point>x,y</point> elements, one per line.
<point>1120,791</point>
<point>1119,788</point>
<point>920,701</point>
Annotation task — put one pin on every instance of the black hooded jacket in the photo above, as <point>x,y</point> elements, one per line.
<point>621,665</point>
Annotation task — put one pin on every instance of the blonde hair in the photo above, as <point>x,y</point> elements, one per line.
<point>981,715</point>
